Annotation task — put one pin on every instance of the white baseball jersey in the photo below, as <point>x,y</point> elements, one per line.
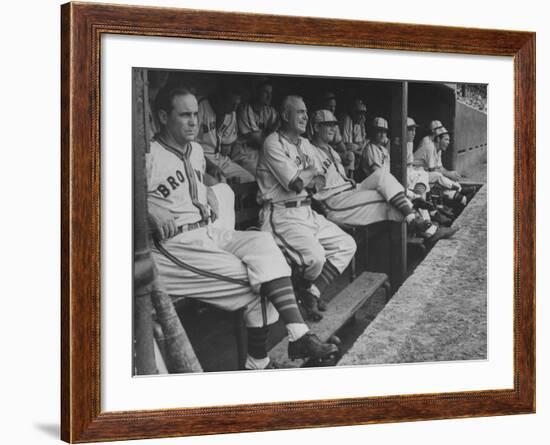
<point>375,156</point>
<point>330,165</point>
<point>211,134</point>
<point>175,181</point>
<point>281,161</point>
<point>352,132</point>
<point>307,238</point>
<point>415,173</point>
<point>428,154</point>
<point>251,120</point>
<point>430,158</point>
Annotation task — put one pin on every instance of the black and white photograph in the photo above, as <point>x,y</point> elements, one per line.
<point>285,221</point>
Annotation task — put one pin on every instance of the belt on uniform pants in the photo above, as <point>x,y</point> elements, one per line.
<point>192,226</point>
<point>298,203</point>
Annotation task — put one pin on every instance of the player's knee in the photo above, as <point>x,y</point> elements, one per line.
<point>316,258</point>
<point>348,247</point>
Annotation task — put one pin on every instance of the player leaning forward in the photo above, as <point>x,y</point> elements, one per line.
<point>287,176</point>
<point>198,258</point>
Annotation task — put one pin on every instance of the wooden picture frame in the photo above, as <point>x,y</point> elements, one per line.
<point>82,26</point>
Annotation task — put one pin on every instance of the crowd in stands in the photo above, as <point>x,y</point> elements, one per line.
<point>473,95</point>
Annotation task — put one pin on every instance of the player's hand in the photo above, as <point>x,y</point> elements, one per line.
<point>317,183</point>
<point>225,149</point>
<point>161,222</point>
<point>213,203</point>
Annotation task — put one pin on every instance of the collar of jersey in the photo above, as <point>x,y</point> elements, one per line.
<point>179,153</point>
<point>281,135</point>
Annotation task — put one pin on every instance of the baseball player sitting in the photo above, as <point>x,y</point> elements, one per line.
<point>379,197</point>
<point>428,155</point>
<point>354,133</point>
<point>197,257</point>
<point>256,120</point>
<point>217,132</point>
<point>328,102</point>
<point>287,177</point>
<point>418,181</point>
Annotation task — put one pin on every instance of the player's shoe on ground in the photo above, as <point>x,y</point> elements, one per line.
<point>309,304</point>
<point>418,225</point>
<point>310,346</point>
<point>322,305</point>
<point>419,203</point>
<point>442,233</point>
<point>469,191</point>
<point>441,219</point>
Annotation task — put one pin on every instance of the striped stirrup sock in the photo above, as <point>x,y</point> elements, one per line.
<point>327,276</point>
<point>281,294</point>
<point>402,204</point>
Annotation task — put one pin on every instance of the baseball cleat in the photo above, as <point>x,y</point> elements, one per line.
<point>309,304</point>
<point>441,219</point>
<point>310,346</point>
<point>419,203</point>
<point>418,225</point>
<point>321,305</point>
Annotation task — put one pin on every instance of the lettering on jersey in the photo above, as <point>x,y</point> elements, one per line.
<point>173,184</point>
<point>163,190</point>
<point>326,164</point>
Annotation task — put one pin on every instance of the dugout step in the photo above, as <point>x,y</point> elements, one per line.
<point>340,309</point>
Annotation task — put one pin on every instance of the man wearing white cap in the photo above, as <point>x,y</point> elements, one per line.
<point>379,197</point>
<point>328,102</point>
<point>287,176</point>
<point>429,155</point>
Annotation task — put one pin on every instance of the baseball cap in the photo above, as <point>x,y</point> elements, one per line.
<point>323,116</point>
<point>434,125</point>
<point>380,122</point>
<point>440,131</point>
<point>411,123</point>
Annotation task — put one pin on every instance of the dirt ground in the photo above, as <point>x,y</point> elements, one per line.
<point>440,312</point>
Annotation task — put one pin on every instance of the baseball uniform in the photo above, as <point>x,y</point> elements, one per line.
<point>250,120</point>
<point>213,135</point>
<point>353,133</point>
<point>430,158</point>
<point>355,204</point>
<point>415,171</point>
<point>210,262</point>
<point>306,237</point>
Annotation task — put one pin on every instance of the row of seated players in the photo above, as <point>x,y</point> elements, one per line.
<point>232,269</point>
